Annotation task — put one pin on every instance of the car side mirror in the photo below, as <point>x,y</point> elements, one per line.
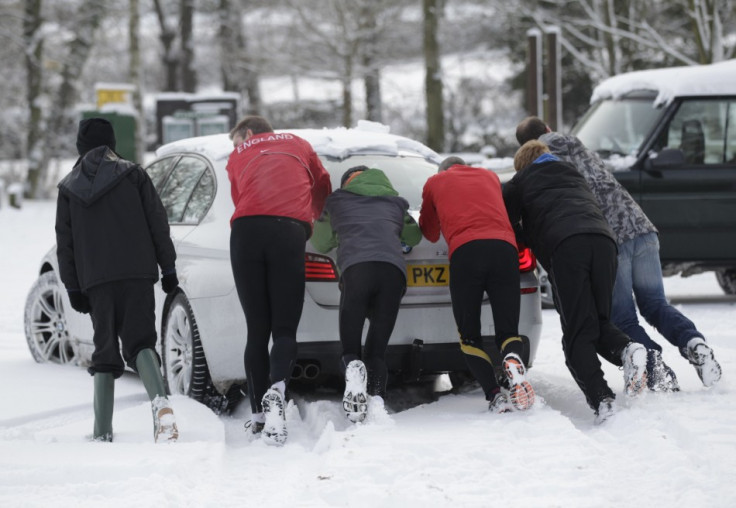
<point>666,158</point>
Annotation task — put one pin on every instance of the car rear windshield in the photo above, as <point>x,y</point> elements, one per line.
<point>407,174</point>
<point>617,126</point>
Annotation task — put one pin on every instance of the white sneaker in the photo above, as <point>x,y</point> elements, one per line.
<point>606,409</point>
<point>521,392</point>
<point>274,428</point>
<point>701,356</point>
<point>355,398</point>
<point>164,423</point>
<point>634,357</point>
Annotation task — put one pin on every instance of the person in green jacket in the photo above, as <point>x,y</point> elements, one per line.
<point>367,221</point>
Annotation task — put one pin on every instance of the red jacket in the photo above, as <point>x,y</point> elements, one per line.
<point>277,174</point>
<point>466,204</point>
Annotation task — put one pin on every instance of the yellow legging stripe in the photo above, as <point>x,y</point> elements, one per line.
<point>508,341</point>
<point>474,351</point>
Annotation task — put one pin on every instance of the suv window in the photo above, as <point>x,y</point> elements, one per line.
<point>703,130</point>
<point>188,192</point>
<point>617,127</point>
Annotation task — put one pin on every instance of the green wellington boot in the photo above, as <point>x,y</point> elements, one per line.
<point>164,424</point>
<point>104,400</point>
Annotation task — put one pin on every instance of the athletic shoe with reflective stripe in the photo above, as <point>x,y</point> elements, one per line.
<point>355,398</point>
<point>634,357</point>
<point>521,392</point>
<point>274,428</point>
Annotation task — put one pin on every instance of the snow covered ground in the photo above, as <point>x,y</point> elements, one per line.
<point>669,450</point>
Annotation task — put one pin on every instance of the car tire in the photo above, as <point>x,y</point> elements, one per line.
<point>727,280</point>
<point>184,363</point>
<point>45,323</point>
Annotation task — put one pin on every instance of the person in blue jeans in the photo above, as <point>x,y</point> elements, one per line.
<point>639,275</point>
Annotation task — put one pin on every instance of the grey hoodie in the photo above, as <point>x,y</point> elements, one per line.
<point>624,215</point>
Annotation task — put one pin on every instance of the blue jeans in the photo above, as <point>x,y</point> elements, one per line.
<point>639,276</point>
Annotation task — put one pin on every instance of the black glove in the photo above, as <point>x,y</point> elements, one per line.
<point>169,282</point>
<point>79,301</point>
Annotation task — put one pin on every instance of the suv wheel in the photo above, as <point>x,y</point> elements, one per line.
<point>727,280</point>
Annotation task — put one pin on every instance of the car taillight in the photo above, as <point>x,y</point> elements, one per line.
<point>319,268</point>
<point>527,261</point>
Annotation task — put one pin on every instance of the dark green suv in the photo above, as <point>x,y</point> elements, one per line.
<point>669,136</point>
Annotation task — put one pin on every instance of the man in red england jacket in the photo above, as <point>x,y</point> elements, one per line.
<point>465,204</point>
<point>279,187</point>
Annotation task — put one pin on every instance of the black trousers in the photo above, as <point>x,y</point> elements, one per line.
<point>485,267</point>
<point>123,309</point>
<point>267,257</point>
<point>371,290</point>
<point>583,269</point>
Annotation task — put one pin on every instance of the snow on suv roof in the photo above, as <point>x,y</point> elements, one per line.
<point>713,79</point>
<point>337,143</point>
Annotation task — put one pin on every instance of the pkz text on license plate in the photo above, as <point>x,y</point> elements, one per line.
<point>428,275</point>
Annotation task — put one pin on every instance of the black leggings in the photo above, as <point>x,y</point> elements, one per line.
<point>267,256</point>
<point>370,290</point>
<point>583,269</point>
<point>491,267</point>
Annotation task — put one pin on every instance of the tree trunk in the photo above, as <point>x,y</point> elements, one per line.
<point>433,79</point>
<point>238,74</point>
<point>135,79</point>
<point>371,73</point>
<point>170,56</point>
<point>188,74</point>
<point>33,44</point>
<point>347,92</point>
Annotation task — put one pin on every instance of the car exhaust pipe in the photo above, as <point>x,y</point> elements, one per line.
<point>297,372</point>
<point>311,371</point>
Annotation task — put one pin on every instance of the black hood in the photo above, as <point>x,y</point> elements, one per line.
<point>95,174</point>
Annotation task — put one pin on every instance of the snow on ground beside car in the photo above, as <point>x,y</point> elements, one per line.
<point>675,450</point>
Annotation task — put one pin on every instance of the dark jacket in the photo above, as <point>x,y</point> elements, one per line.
<point>548,202</point>
<point>367,221</point>
<point>110,223</point>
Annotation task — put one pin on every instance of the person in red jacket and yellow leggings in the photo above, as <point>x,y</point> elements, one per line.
<point>465,204</point>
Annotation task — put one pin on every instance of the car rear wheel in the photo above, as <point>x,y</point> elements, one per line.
<point>185,366</point>
<point>45,323</point>
<point>727,280</point>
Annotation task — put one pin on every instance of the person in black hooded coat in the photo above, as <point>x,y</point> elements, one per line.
<point>111,233</point>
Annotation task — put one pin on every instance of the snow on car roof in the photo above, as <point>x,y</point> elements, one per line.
<point>337,143</point>
<point>713,79</point>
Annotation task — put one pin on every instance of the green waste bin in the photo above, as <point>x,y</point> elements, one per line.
<point>125,130</point>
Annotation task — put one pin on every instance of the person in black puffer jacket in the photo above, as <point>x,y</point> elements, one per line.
<point>554,212</point>
<point>111,233</point>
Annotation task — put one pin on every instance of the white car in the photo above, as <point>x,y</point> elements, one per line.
<point>202,327</point>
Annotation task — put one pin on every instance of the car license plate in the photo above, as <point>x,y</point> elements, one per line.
<point>428,275</point>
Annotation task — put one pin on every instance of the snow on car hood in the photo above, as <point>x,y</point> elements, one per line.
<point>338,143</point>
<point>714,79</point>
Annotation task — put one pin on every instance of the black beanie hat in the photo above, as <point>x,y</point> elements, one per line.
<point>94,132</point>
<point>346,175</point>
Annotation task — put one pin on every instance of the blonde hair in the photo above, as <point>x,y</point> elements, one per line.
<point>528,153</point>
